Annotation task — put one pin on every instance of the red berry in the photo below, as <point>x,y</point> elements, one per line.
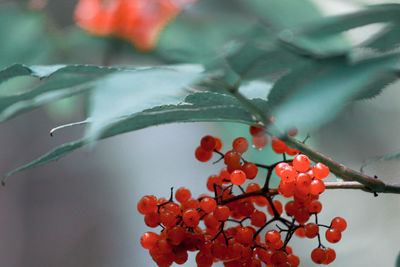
<point>290,208</point>
<point>250,169</point>
<point>314,206</point>
<point>300,232</point>
<point>218,144</point>
<point>191,217</point>
<point>258,218</point>
<point>301,163</point>
<point>240,145</point>
<point>176,235</point>
<point>279,257</point>
<point>182,194</point>
<point>260,142</point>
<point>293,260</point>
<point>256,131</point>
<point>238,177</point>
<point>244,235</point>
<point>272,236</point>
<point>221,213</point>
<point>167,218</point>
<point>331,256</point>
<point>152,219</point>
<point>320,171</point>
<point>311,230</point>
<point>317,187</point>
<point>318,255</point>
<point>208,143</point>
<point>208,204</point>
<point>147,205</point>
<point>148,240</point>
<point>339,223</point>
<point>278,146</point>
<point>333,235</point>
<point>202,155</point>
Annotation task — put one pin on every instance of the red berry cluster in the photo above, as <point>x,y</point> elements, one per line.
<point>228,227</point>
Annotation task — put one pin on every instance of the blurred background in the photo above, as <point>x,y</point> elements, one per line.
<point>81,210</point>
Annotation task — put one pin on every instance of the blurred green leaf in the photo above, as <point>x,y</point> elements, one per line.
<point>58,81</point>
<point>138,90</point>
<point>281,14</point>
<point>317,92</point>
<point>199,33</point>
<point>201,106</point>
<point>387,39</point>
<point>398,261</point>
<point>25,37</point>
<point>320,38</point>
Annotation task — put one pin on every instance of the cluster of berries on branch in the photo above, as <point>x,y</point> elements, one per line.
<point>248,229</point>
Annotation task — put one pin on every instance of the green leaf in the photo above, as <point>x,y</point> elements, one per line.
<point>201,106</point>
<point>199,33</point>
<point>398,261</point>
<point>25,37</point>
<point>319,39</point>
<point>58,81</point>
<point>137,90</point>
<point>316,93</point>
<point>385,40</point>
<point>281,14</point>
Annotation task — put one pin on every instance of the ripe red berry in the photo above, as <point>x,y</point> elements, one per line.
<point>311,230</point>
<point>288,174</point>
<point>301,163</point>
<point>260,142</point>
<point>208,143</point>
<point>232,160</point>
<point>240,145</point>
<point>258,218</point>
<point>331,256</point>
<point>147,205</point>
<point>222,212</point>
<point>238,177</point>
<point>339,223</point>
<point>314,206</point>
<point>333,235</point>
<point>191,217</point>
<point>272,236</point>
<point>320,171</point>
<point>293,260</point>
<point>300,232</point>
<point>152,219</point>
<point>149,239</point>
<point>176,235</point>
<point>256,131</point>
<point>278,257</point>
<point>182,194</point>
<point>244,236</point>
<point>250,169</point>
<point>167,218</point>
<point>278,146</point>
<point>208,204</point>
<point>317,187</point>
<point>218,144</point>
<point>202,155</point>
<point>318,255</point>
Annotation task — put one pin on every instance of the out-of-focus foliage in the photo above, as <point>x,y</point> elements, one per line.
<point>314,71</point>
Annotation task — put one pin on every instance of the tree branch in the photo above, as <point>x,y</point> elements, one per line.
<point>371,184</point>
<point>340,170</point>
